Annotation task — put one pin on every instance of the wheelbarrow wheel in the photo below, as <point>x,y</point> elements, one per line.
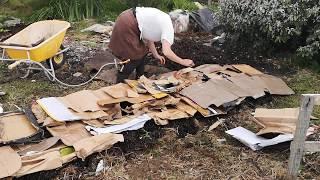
<point>58,60</point>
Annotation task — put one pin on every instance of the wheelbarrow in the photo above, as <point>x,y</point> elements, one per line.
<point>39,42</point>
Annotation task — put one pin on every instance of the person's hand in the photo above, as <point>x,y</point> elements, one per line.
<point>187,63</point>
<point>161,59</point>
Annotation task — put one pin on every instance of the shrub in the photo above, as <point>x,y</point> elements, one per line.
<point>285,22</point>
<point>75,10</point>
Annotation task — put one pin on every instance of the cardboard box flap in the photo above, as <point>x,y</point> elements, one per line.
<point>90,145</point>
<point>276,85</point>
<point>18,128</point>
<point>70,133</point>
<point>10,162</point>
<point>247,69</point>
<point>277,120</point>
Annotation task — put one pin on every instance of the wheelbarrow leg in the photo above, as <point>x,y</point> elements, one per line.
<point>27,74</point>
<point>51,78</point>
<point>29,68</point>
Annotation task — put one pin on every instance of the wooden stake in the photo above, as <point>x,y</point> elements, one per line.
<point>297,145</point>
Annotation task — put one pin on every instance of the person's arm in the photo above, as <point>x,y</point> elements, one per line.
<point>167,51</point>
<point>155,53</point>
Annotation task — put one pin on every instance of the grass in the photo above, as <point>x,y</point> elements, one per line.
<point>304,82</point>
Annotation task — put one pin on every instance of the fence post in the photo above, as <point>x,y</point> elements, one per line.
<point>297,145</point>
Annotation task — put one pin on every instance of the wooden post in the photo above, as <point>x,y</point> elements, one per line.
<point>209,2</point>
<point>297,145</point>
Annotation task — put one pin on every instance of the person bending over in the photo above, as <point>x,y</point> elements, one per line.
<point>134,34</point>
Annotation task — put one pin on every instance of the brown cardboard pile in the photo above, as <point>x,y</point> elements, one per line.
<point>90,121</point>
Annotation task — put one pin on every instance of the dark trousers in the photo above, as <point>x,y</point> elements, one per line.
<point>128,68</point>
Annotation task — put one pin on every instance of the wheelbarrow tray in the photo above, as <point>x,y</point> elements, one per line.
<point>37,42</point>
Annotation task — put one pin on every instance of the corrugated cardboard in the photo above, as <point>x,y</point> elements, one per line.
<point>60,112</point>
<point>277,120</point>
<point>206,94</point>
<point>248,84</point>
<point>37,163</point>
<point>135,85</point>
<point>230,73</point>
<point>210,68</point>
<point>148,85</point>
<point>132,94</point>
<point>247,69</point>
<point>90,145</point>
<point>10,162</point>
<point>49,122</point>
<point>38,112</point>
<point>70,133</point>
<point>15,126</point>
<point>141,98</point>
<point>202,111</point>
<point>94,123</point>
<point>276,85</point>
<point>170,114</point>
<point>231,87</point>
<point>81,101</point>
<point>39,147</point>
<point>182,106</point>
<point>117,91</point>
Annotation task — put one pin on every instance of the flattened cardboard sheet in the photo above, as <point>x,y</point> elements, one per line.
<point>10,162</point>
<point>276,85</point>
<point>90,145</point>
<point>247,69</point>
<point>249,85</point>
<point>16,127</point>
<point>70,133</point>
<point>231,87</point>
<point>210,68</point>
<point>43,162</point>
<point>81,101</point>
<point>140,99</point>
<point>38,147</point>
<point>117,91</point>
<point>59,112</point>
<point>206,94</point>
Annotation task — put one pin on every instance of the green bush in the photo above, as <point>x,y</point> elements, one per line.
<point>286,22</point>
<point>75,10</point>
<point>165,5</point>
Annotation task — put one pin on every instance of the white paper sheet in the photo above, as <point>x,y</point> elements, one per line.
<point>134,124</point>
<point>56,109</point>
<point>255,142</point>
